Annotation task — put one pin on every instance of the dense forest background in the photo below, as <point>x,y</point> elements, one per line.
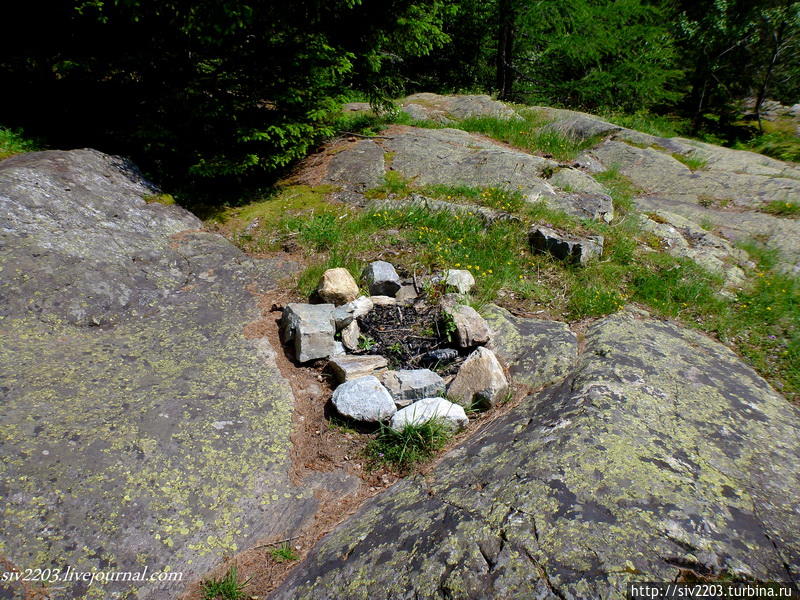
<point>205,92</point>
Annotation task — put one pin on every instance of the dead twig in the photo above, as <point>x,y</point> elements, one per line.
<point>276,543</point>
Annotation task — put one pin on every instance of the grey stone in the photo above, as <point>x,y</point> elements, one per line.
<point>345,314</point>
<point>461,279</point>
<point>337,287</point>
<point>564,247</point>
<point>426,409</point>
<point>364,399</point>
<point>682,237</point>
<point>480,381</point>
<point>381,278</point>
<point>358,168</point>
<point>350,335</point>
<point>728,190</point>
<point>577,125</point>
<point>129,387</point>
<point>407,386</point>
<point>406,294</point>
<point>597,207</point>
<point>537,352</point>
<point>446,109</point>
<point>296,312</point>
<point>471,327</point>
<point>573,180</point>
<point>661,448</point>
<point>349,366</point>
<point>454,157</point>
<point>311,327</point>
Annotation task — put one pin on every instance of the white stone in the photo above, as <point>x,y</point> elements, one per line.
<point>337,286</point>
<point>383,300</point>
<point>347,313</point>
<point>480,381</point>
<point>364,399</point>
<point>422,411</point>
<point>460,279</point>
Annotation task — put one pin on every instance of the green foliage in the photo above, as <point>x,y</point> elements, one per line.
<point>783,209</point>
<point>492,197</point>
<point>621,189</point>
<point>366,343</point>
<point>227,587</point>
<point>595,54</point>
<point>212,90</point>
<point>403,450</point>
<point>449,326</point>
<point>165,199</point>
<point>283,553</point>
<point>13,141</point>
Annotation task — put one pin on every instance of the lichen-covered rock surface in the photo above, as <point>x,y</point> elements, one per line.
<point>537,352</point>
<point>139,425</point>
<point>660,453</point>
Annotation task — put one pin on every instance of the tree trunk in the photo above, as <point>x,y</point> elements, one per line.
<point>777,37</point>
<point>505,46</point>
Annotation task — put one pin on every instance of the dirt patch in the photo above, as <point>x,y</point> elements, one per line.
<point>319,446</point>
<point>313,169</point>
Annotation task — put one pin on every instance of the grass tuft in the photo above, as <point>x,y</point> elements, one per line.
<point>783,209</point>
<point>402,450</point>
<point>695,163</point>
<point>283,553</point>
<point>227,587</point>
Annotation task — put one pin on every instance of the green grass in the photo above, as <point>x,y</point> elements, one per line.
<point>658,125</point>
<point>529,134</point>
<point>620,187</point>
<point>283,553</point>
<point>498,255</point>
<point>779,140</point>
<point>695,163</point>
<point>403,450</point>
<point>492,197</point>
<point>13,141</point>
<point>393,184</point>
<point>227,587</point>
<point>782,209</point>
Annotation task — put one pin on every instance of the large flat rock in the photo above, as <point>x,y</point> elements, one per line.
<point>661,452</point>
<point>728,192</point>
<point>537,352</point>
<point>140,426</point>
